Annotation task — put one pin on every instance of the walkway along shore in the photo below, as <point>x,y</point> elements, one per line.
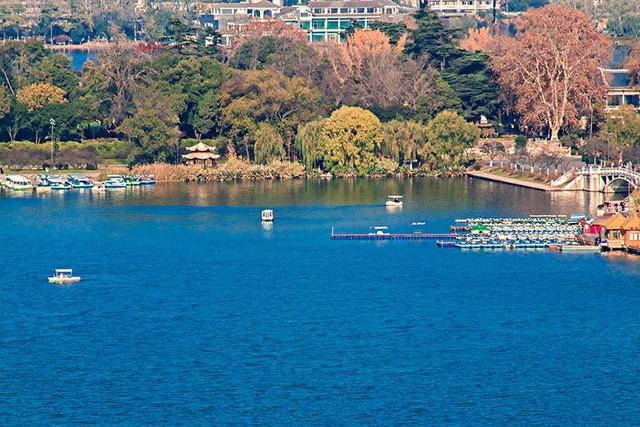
<point>513,181</point>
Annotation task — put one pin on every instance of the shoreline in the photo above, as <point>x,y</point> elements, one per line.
<point>487,176</point>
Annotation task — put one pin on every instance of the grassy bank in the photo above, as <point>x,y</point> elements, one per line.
<point>232,169</point>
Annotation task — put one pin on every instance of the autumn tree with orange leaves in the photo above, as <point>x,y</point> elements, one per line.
<point>549,72</point>
<point>480,40</point>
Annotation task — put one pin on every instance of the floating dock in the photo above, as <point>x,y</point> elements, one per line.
<point>392,236</point>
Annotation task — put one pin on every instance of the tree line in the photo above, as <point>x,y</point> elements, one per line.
<point>396,95</point>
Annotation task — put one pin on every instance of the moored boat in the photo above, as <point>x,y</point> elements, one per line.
<point>58,183</point>
<point>114,182</point>
<point>132,181</point>
<point>17,183</point>
<point>79,181</point>
<point>147,180</point>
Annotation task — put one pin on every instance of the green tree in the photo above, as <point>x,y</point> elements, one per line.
<point>153,131</point>
<point>5,101</point>
<point>402,140</point>
<point>448,136</point>
<point>200,81</point>
<point>309,143</point>
<point>623,128</point>
<point>471,79</point>
<point>350,137</point>
<point>55,69</point>
<point>269,145</point>
<point>207,113</point>
<point>431,39</point>
<point>253,97</point>
<point>394,30</point>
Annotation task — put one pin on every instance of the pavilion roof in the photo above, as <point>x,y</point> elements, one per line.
<point>200,155</point>
<point>201,148</point>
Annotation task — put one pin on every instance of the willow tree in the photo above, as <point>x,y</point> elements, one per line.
<point>550,70</point>
<point>309,143</point>
<point>402,140</point>
<point>268,144</point>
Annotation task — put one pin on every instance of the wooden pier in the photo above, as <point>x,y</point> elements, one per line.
<point>391,236</point>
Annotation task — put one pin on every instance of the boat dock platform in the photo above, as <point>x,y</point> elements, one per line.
<point>391,236</point>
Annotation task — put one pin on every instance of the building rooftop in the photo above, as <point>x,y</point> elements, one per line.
<point>243,5</point>
<point>351,3</point>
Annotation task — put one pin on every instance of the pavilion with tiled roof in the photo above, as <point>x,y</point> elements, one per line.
<point>201,154</point>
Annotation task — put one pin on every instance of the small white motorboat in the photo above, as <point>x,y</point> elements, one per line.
<point>267,215</point>
<point>379,231</point>
<point>64,276</point>
<point>394,201</point>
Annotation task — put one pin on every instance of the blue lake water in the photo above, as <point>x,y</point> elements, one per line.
<point>189,312</point>
<point>79,58</point>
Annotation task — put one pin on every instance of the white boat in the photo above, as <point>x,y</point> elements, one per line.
<point>58,183</point>
<point>267,215</point>
<point>64,276</point>
<point>394,201</point>
<point>17,183</point>
<point>115,181</point>
<point>79,181</point>
<point>379,231</point>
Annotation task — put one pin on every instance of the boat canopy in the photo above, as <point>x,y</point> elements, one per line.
<point>395,197</point>
<point>64,271</point>
<point>380,228</point>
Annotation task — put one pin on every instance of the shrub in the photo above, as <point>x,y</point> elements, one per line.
<point>521,142</point>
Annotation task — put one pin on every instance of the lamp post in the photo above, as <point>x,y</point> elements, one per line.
<point>52,122</point>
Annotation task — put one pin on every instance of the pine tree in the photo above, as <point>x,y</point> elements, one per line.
<point>431,39</point>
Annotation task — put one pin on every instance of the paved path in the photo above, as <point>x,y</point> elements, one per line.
<point>513,181</point>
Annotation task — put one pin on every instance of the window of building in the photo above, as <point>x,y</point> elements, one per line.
<point>317,24</point>
<point>344,24</point>
<point>305,25</point>
<point>317,37</point>
<point>332,24</point>
<point>360,10</point>
<point>370,10</point>
<point>334,10</point>
<point>344,10</point>
<point>318,10</point>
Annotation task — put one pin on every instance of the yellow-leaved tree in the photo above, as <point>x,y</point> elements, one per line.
<point>37,95</point>
<point>350,137</point>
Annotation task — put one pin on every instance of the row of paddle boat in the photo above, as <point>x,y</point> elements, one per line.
<point>533,232</point>
<point>510,244</point>
<point>74,181</point>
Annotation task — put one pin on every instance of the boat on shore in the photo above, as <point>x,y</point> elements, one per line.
<point>79,181</point>
<point>17,183</point>
<point>63,276</point>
